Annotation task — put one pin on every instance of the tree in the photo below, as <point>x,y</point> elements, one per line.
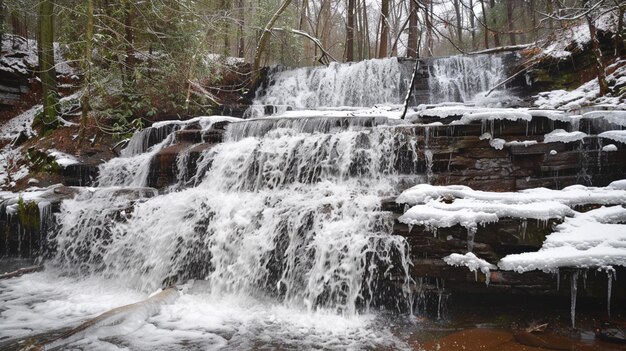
<point>384,29</point>
<point>47,71</point>
<point>412,43</point>
<point>350,31</point>
<point>264,40</point>
<point>509,21</point>
<point>87,70</point>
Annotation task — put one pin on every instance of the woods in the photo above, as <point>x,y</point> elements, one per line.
<point>141,59</point>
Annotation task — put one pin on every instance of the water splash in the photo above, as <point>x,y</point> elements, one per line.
<point>290,215</point>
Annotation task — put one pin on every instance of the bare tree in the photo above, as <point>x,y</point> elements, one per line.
<point>384,29</point>
<point>350,31</point>
<point>264,40</point>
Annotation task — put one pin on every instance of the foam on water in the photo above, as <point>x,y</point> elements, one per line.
<point>47,301</point>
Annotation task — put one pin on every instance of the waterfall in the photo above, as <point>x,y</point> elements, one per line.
<point>281,213</point>
<point>358,84</point>
<point>459,78</point>
<point>381,81</point>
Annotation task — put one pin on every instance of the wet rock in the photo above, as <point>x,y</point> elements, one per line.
<point>478,339</point>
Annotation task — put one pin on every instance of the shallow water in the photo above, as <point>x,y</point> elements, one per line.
<point>36,307</point>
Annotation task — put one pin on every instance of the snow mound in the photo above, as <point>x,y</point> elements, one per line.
<point>595,239</point>
<point>472,262</point>
<point>588,93</point>
<point>613,194</point>
<point>615,135</point>
<point>561,136</point>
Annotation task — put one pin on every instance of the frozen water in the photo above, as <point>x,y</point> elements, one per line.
<point>472,262</point>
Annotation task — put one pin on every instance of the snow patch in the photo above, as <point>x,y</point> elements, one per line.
<point>472,262</point>
<point>561,136</point>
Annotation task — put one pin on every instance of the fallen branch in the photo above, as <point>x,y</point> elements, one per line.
<point>325,54</point>
<point>408,93</point>
<point>21,271</point>
<point>501,49</point>
<point>526,68</point>
<point>105,324</point>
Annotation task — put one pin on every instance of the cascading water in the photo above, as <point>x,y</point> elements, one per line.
<point>278,215</point>
<point>294,214</point>
<point>460,78</point>
<point>368,83</point>
<point>359,84</point>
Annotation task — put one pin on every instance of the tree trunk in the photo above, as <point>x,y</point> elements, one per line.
<point>368,44</point>
<point>87,70</point>
<point>494,25</point>
<point>350,32</point>
<point>619,36</point>
<point>533,15</point>
<point>411,50</point>
<point>459,26</point>
<point>429,27</point>
<point>224,7</point>
<point>1,20</point>
<point>264,40</point>
<point>384,29</point>
<point>46,64</point>
<point>485,29</point>
<point>472,14</point>
<point>595,44</point>
<point>129,42</point>
<point>241,45</point>
<point>510,19</point>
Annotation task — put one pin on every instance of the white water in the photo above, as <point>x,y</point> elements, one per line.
<point>363,83</point>
<point>372,82</point>
<point>284,229</point>
<point>460,78</point>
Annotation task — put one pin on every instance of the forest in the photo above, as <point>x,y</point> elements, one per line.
<point>135,60</point>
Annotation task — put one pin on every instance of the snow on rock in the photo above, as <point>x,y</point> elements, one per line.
<point>470,213</point>
<point>432,217</point>
<point>573,195</point>
<point>595,239</point>
<point>205,122</point>
<point>617,185</point>
<point>554,115</point>
<point>561,136</point>
<point>613,117</point>
<point>615,135</point>
<point>62,159</point>
<point>22,122</point>
<point>472,262</point>
<point>609,148</point>
<point>497,143</point>
<point>587,94</point>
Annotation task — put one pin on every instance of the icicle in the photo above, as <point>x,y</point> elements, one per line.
<point>523,228</point>
<point>573,292</point>
<point>609,273</point>
<point>585,280</point>
<point>558,280</point>
<point>441,296</point>
<point>471,233</point>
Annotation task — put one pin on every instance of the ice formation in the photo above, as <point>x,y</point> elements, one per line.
<point>473,263</point>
